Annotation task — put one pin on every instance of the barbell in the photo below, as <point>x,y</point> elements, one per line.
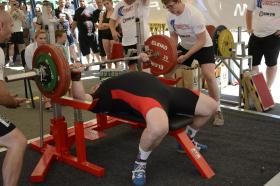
<point>51,70</point>
<point>163,55</point>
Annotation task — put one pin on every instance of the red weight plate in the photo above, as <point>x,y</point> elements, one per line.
<point>167,50</point>
<point>66,72</point>
<point>62,71</point>
<point>62,68</point>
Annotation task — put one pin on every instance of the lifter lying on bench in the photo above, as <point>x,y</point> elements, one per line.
<point>142,93</point>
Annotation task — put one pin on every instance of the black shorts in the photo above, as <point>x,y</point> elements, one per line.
<point>100,44</point>
<point>204,56</point>
<point>70,39</point>
<point>17,38</point>
<point>268,47</point>
<point>88,42</point>
<point>106,34</point>
<point>135,54</point>
<point>183,101</point>
<point>5,126</point>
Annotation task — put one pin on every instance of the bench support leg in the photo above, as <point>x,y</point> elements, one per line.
<point>197,159</point>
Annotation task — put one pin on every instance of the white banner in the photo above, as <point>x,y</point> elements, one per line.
<point>230,13</point>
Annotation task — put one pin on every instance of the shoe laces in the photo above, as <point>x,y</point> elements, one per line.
<point>139,169</point>
<point>198,145</point>
<point>219,115</point>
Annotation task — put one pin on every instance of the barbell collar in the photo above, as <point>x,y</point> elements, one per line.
<point>25,75</point>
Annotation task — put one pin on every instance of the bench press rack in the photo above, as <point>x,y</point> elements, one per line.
<point>237,60</point>
<point>227,61</point>
<point>57,145</point>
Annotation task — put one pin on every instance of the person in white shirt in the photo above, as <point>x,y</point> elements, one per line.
<point>126,12</point>
<point>186,22</point>
<point>10,136</point>
<point>17,35</point>
<point>263,23</point>
<point>40,39</point>
<point>2,6</point>
<point>38,13</point>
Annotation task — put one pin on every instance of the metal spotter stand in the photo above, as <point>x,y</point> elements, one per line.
<point>227,61</point>
<point>41,121</point>
<point>140,43</point>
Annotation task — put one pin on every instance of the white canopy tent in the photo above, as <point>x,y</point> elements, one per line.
<point>227,12</point>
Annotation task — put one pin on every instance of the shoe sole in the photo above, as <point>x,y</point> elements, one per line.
<point>180,151</point>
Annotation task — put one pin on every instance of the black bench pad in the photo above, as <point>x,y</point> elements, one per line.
<point>175,122</point>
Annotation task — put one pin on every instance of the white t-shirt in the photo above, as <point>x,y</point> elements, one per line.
<point>266,19</point>
<point>17,27</point>
<point>187,25</point>
<point>34,20</point>
<point>2,63</point>
<point>127,14</point>
<point>28,55</point>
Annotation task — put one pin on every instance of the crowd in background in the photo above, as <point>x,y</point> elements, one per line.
<point>78,32</point>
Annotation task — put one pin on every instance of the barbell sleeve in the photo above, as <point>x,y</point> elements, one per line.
<point>15,77</point>
<point>112,61</point>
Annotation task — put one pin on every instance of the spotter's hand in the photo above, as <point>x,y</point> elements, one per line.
<point>144,57</point>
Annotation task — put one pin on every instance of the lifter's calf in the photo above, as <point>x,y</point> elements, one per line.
<point>157,128</point>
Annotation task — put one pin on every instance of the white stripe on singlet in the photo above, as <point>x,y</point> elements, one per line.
<point>7,124</point>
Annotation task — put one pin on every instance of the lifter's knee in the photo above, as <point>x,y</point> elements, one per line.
<point>157,122</point>
<point>206,105</point>
<point>18,142</point>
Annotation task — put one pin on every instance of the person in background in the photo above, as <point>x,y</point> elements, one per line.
<point>3,44</point>
<point>61,38</point>
<point>69,8</point>
<point>39,40</point>
<point>96,15</point>
<point>2,6</point>
<point>84,21</point>
<point>17,35</point>
<point>64,24</point>
<point>27,23</point>
<point>126,12</point>
<point>263,23</point>
<point>61,9</point>
<point>104,29</point>
<point>186,22</point>
<point>38,13</point>
<point>47,21</point>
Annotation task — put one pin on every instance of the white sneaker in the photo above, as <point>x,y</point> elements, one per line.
<point>219,119</point>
